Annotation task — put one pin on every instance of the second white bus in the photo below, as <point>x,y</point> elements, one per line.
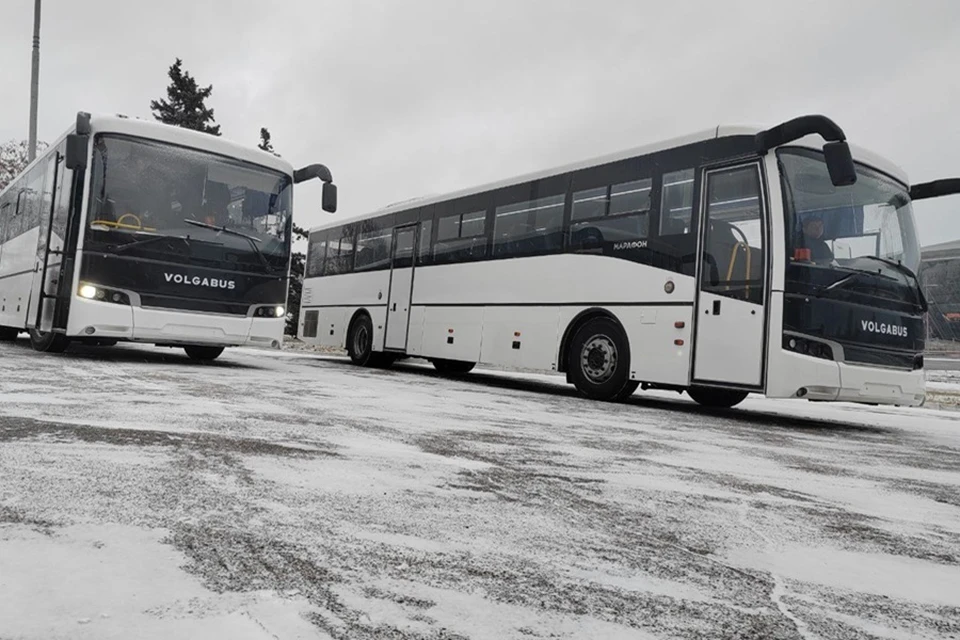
<point>727,262</point>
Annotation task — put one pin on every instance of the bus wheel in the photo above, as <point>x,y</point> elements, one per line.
<point>627,390</point>
<point>203,353</point>
<point>598,360</point>
<point>360,342</point>
<point>717,398</point>
<point>8,334</point>
<point>48,342</point>
<point>453,366</point>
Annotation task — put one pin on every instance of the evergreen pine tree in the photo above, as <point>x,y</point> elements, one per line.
<point>298,262</point>
<point>184,106</point>
<point>265,143</point>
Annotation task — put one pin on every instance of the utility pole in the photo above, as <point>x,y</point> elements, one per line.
<point>34,81</point>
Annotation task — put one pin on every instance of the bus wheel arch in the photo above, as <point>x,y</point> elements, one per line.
<point>572,327</point>
<point>359,338</point>
<point>596,355</point>
<point>48,341</point>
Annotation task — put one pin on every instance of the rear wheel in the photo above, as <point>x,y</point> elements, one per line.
<point>8,334</point>
<point>717,398</point>
<point>453,366</point>
<point>203,353</point>
<point>360,342</point>
<point>48,342</point>
<point>598,361</point>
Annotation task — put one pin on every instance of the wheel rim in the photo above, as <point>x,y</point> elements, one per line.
<point>598,359</point>
<point>361,340</point>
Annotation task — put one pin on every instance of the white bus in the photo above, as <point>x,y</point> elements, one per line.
<point>130,230</point>
<point>727,262</point>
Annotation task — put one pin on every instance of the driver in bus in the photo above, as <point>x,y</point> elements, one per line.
<point>813,240</point>
<point>136,189</point>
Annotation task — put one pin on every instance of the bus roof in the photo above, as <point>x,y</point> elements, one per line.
<point>155,130</point>
<point>723,131</point>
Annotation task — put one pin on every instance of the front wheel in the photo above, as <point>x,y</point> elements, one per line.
<point>203,353</point>
<point>598,361</point>
<point>48,342</point>
<point>360,342</point>
<point>458,367</point>
<point>8,334</point>
<point>716,398</point>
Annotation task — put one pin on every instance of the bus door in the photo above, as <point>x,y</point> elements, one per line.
<point>401,286</point>
<point>732,291</point>
<point>51,246</point>
<point>48,209</point>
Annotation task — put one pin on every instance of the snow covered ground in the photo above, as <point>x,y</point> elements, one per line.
<point>291,495</point>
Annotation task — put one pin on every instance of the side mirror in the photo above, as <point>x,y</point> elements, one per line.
<point>840,163</point>
<point>76,157</point>
<point>329,197</point>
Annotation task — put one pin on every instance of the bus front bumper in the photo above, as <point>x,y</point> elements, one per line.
<point>798,376</point>
<point>94,319</point>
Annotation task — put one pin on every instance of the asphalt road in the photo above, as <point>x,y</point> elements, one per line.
<point>277,496</point>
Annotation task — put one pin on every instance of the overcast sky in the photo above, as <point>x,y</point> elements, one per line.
<point>404,99</point>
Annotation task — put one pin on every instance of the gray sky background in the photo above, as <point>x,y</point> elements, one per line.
<point>427,96</point>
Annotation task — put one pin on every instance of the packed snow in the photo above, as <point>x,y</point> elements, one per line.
<point>292,495</point>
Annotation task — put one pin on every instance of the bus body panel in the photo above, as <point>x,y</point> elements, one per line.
<point>17,265</point>
<point>525,338</point>
<point>652,332</point>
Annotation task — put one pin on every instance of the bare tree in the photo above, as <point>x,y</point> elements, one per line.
<point>14,158</point>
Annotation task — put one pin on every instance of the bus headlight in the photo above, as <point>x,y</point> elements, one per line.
<point>92,292</point>
<point>272,311</point>
<point>808,347</point>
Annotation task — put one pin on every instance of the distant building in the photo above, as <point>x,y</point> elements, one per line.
<point>940,275</point>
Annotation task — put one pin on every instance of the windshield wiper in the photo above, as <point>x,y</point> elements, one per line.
<point>902,268</point>
<point>253,241</point>
<point>150,240</point>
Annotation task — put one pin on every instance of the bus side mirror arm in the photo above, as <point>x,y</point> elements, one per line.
<point>935,189</point>
<point>329,189</point>
<point>836,151</point>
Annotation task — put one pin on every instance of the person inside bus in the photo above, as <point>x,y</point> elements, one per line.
<point>813,239</point>
<point>134,187</point>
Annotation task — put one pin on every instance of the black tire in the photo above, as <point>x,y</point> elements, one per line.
<point>203,353</point>
<point>48,342</point>
<point>627,390</point>
<point>599,359</point>
<point>360,342</point>
<point>8,334</point>
<point>453,367</point>
<point>716,398</point>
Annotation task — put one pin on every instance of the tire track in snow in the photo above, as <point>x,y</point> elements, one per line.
<point>778,591</point>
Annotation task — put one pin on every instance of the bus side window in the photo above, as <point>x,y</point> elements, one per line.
<point>5,213</point>
<point>676,203</point>
<point>316,254</point>
<point>331,264</point>
<point>423,250</point>
<point>612,220</point>
<point>533,227</point>
<point>461,237</point>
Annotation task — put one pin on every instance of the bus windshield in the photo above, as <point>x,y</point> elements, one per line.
<point>160,201</point>
<point>867,226</point>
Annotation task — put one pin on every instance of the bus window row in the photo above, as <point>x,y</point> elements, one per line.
<point>25,203</point>
<point>619,218</point>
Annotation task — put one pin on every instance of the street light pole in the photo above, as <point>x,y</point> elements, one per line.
<point>34,81</point>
